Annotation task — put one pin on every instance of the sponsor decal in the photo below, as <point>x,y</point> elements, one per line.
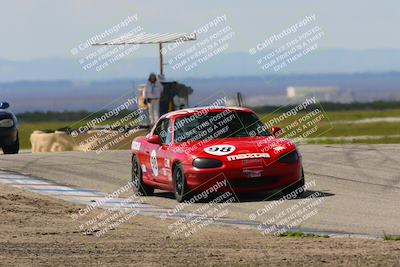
<point>253,172</point>
<point>135,145</point>
<point>153,162</point>
<point>248,156</point>
<point>167,163</point>
<point>250,161</point>
<point>144,168</point>
<point>220,150</point>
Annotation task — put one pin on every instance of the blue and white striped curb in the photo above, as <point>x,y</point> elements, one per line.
<point>64,192</point>
<point>88,196</point>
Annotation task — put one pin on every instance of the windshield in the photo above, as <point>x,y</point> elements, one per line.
<point>214,125</point>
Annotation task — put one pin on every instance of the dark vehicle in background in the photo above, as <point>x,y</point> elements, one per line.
<point>9,140</point>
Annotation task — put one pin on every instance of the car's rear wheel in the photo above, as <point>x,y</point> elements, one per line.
<point>293,187</point>
<point>137,179</point>
<point>12,148</point>
<point>181,189</point>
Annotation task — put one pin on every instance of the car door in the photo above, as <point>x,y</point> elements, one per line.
<point>156,153</point>
<point>164,132</point>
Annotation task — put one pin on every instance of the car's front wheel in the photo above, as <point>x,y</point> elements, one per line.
<point>12,148</point>
<point>137,179</point>
<point>181,189</point>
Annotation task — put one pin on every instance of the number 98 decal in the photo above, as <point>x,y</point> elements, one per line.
<point>219,150</point>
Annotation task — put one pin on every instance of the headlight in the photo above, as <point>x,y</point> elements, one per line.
<point>206,163</point>
<point>290,157</point>
<point>6,123</point>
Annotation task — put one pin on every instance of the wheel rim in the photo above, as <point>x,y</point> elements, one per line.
<point>135,174</point>
<point>179,182</point>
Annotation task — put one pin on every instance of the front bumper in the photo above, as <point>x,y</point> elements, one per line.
<point>272,176</point>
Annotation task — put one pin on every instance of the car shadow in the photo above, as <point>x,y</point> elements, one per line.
<point>164,194</point>
<point>258,197</point>
<point>251,197</point>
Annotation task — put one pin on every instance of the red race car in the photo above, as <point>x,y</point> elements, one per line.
<point>228,149</point>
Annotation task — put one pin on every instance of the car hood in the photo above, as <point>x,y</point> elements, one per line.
<point>228,148</point>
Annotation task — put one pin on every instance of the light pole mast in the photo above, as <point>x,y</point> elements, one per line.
<point>161,60</point>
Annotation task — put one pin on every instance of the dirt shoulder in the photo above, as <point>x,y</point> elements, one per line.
<point>38,231</point>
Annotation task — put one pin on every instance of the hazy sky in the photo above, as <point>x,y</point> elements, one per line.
<point>35,29</point>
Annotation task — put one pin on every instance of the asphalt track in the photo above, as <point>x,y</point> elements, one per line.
<point>359,184</point>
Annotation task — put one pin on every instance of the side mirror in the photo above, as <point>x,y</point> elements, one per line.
<point>4,105</point>
<point>154,139</point>
<point>276,131</point>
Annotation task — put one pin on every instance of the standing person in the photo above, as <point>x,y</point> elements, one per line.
<point>152,94</point>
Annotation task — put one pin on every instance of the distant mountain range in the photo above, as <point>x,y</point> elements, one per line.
<point>59,95</point>
<point>322,61</point>
<point>62,84</point>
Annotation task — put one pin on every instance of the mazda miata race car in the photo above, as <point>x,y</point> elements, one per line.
<point>192,150</point>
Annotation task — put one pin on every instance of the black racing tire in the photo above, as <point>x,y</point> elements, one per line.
<point>181,190</point>
<point>13,148</point>
<point>293,187</point>
<point>137,179</point>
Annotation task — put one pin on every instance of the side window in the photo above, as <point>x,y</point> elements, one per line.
<point>167,132</point>
<point>157,130</point>
<point>163,131</point>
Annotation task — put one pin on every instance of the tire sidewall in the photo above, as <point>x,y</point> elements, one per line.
<point>136,188</point>
<point>180,196</point>
<point>13,148</point>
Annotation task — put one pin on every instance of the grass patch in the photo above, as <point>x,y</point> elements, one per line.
<point>25,129</point>
<point>328,141</point>
<point>344,115</point>
<point>391,237</point>
<point>362,114</point>
<point>376,128</point>
<point>298,234</point>
<point>327,128</point>
<point>31,123</point>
